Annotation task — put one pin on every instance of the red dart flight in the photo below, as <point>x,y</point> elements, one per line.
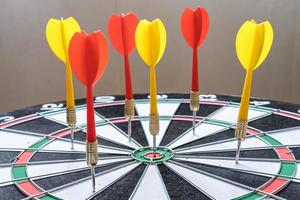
<point>88,54</point>
<point>121,30</point>
<point>194,27</point>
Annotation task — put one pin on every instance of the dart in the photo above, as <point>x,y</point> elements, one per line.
<point>88,54</point>
<point>150,39</point>
<point>194,28</point>
<point>253,43</point>
<point>59,34</point>
<point>121,30</point>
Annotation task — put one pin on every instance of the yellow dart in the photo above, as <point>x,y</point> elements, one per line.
<point>253,43</point>
<point>59,34</point>
<point>150,39</point>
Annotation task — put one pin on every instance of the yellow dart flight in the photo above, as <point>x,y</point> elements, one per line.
<point>59,34</point>
<point>253,43</point>
<point>150,39</point>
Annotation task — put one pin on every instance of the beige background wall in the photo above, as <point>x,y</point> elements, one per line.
<point>30,74</point>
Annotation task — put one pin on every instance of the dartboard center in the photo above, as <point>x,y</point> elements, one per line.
<point>147,155</point>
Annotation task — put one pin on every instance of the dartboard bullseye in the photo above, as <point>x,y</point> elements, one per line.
<point>36,161</point>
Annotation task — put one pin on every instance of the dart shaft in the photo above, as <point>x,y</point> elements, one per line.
<point>91,132</point>
<point>244,106</point>
<point>153,91</point>
<point>195,79</point>
<point>128,85</point>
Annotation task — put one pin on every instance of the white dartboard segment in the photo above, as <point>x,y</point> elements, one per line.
<point>151,186</point>
<point>202,130</point>
<point>5,175</point>
<point>217,188</point>
<point>102,181</point>
<point>17,140</point>
<point>61,145</point>
<point>110,132</point>
<point>80,117</point>
<point>34,170</point>
<point>229,114</point>
<point>167,109</point>
<point>250,142</point>
<point>264,167</point>
<point>287,136</point>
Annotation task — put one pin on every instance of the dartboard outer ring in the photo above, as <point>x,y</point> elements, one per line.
<point>36,161</point>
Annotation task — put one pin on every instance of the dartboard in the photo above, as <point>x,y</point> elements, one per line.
<point>36,161</point>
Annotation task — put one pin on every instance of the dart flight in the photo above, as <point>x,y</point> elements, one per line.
<point>88,54</point>
<point>194,28</point>
<point>253,43</point>
<point>59,34</point>
<point>150,39</point>
<point>121,30</point>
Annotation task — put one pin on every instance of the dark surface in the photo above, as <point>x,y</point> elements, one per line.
<point>274,122</point>
<point>260,153</point>
<point>49,156</point>
<point>40,125</point>
<point>10,192</point>
<point>8,156</point>
<point>204,110</point>
<point>177,187</point>
<point>137,131</point>
<point>227,134</point>
<point>59,180</point>
<point>81,136</point>
<point>123,188</point>
<point>296,152</point>
<point>111,111</point>
<point>291,192</point>
<point>251,180</point>
<point>175,129</point>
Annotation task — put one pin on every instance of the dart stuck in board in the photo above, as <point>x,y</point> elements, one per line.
<point>194,28</point>
<point>88,54</point>
<point>59,34</point>
<point>121,31</point>
<point>253,43</point>
<point>151,39</point>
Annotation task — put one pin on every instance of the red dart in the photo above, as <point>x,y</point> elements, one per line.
<point>194,27</point>
<point>88,55</point>
<point>121,30</point>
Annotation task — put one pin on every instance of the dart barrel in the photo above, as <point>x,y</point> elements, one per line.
<point>154,124</point>
<point>194,101</point>
<point>241,129</point>
<point>92,153</point>
<point>71,116</point>
<point>129,108</point>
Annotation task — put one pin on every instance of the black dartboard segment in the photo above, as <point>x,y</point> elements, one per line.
<point>36,159</point>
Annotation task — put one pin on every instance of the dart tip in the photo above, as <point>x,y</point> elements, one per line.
<point>93,178</point>
<point>72,138</point>
<point>238,152</point>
